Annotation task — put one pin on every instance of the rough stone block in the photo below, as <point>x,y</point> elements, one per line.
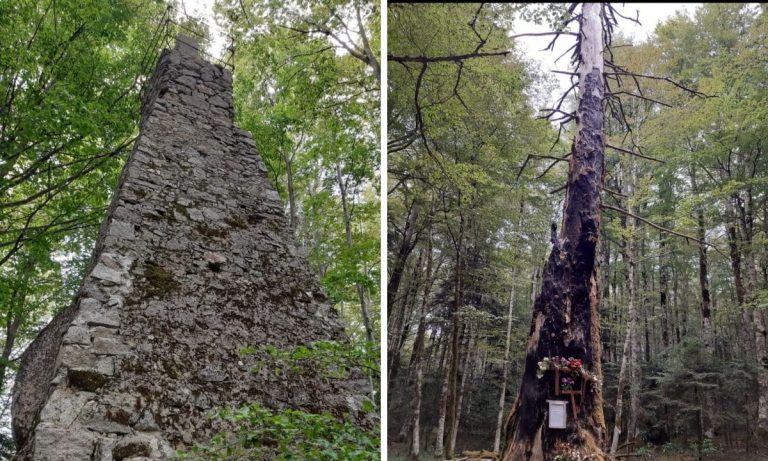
<point>122,230</point>
<point>62,444</point>
<point>64,406</point>
<point>106,318</point>
<point>86,379</point>
<point>102,272</point>
<point>77,334</point>
<point>109,346</point>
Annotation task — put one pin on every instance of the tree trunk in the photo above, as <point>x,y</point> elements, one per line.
<point>13,318</point>
<point>398,332</point>
<point>410,238</point>
<point>746,215</point>
<point>762,374</point>
<point>465,369</point>
<point>443,406</point>
<point>348,232</point>
<point>566,319</point>
<point>417,364</point>
<point>620,395</point>
<point>663,293</point>
<point>12,322</point>
<point>605,309</point>
<point>706,316</point>
<point>635,371</point>
<point>504,374</point>
<point>453,364</point>
<point>293,214</point>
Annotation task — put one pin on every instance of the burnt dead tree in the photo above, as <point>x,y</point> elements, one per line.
<point>566,321</point>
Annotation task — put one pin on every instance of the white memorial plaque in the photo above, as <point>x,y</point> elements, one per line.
<point>557,414</point>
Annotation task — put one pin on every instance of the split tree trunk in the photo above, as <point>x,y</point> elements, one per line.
<point>566,318</point>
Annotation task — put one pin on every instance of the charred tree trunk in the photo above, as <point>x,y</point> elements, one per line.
<point>566,318</point>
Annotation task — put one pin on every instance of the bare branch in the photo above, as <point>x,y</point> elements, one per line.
<point>661,228</point>
<point>627,151</point>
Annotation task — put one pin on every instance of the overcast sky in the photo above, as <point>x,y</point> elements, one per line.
<point>650,15</point>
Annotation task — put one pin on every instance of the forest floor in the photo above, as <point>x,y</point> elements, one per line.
<point>677,457</point>
<point>728,456</point>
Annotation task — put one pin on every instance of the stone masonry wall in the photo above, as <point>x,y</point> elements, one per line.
<point>195,261</point>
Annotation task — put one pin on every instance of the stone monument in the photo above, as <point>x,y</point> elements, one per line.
<point>194,261</point>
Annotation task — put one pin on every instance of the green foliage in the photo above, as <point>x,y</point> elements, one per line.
<point>646,451</point>
<point>264,434</point>
<point>672,448</point>
<point>333,359</point>
<point>259,433</point>
<point>709,446</point>
<point>310,98</point>
<point>70,73</point>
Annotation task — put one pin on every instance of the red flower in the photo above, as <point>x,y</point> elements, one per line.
<point>574,364</point>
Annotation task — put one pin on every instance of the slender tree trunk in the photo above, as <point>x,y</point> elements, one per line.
<point>466,373</point>
<point>704,307</point>
<point>401,326</point>
<point>635,351</point>
<point>453,383</point>
<point>417,364</point>
<point>608,334</point>
<point>443,407</point>
<point>453,364</point>
<point>663,293</point>
<point>293,214</point>
<point>410,238</point>
<point>620,395</point>
<point>762,374</point>
<point>504,374</point>
<point>13,320</point>
<point>348,233</point>
<point>758,320</point>
<point>677,302</point>
<point>747,339</point>
<point>566,315</point>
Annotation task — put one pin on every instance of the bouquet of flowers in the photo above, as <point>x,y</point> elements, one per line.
<point>571,367</point>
